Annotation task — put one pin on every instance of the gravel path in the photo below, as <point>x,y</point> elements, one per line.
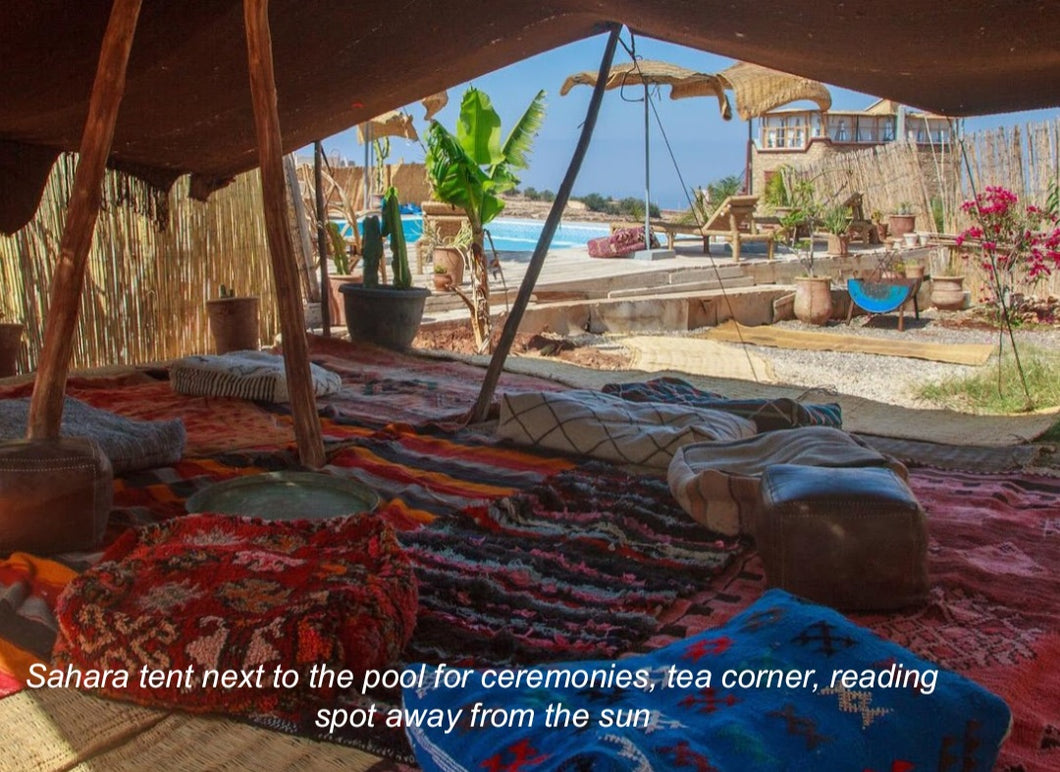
<point>889,379</point>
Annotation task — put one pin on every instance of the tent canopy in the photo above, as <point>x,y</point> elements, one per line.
<point>187,106</point>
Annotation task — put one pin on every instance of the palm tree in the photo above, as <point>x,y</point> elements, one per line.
<point>471,169</point>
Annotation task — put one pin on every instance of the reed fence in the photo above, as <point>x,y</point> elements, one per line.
<point>154,262</point>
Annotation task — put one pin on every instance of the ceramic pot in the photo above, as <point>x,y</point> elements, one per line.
<point>947,292</point>
<point>452,259</point>
<point>813,299</point>
<point>901,224</point>
<point>838,244</point>
<point>384,316</point>
<point>234,323</point>
<point>336,307</point>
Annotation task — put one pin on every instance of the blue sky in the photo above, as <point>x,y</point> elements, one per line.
<point>705,147</point>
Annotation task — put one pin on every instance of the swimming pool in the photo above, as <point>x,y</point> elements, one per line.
<point>511,234</point>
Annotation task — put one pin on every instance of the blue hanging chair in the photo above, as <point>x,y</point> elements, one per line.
<point>883,296</point>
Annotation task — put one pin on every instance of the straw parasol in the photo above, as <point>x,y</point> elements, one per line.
<point>647,73</point>
<point>757,90</point>
<point>395,123</point>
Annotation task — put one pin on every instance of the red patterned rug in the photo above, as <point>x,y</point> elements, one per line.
<point>994,612</point>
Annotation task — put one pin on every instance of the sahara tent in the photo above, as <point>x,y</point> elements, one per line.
<point>172,96</point>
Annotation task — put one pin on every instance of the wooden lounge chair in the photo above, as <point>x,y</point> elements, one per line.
<point>734,219</point>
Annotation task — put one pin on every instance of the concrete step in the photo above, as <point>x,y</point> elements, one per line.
<point>691,286</point>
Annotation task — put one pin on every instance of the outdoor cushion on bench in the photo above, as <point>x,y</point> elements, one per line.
<point>601,426</point>
<point>839,698</point>
<point>217,593</point>
<point>255,375</point>
<point>717,483</point>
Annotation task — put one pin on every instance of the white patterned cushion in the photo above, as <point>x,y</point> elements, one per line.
<point>591,423</point>
<point>256,375</point>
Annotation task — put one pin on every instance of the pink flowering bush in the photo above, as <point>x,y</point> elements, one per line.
<point>1017,246</point>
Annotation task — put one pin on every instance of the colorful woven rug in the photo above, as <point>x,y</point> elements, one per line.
<point>994,612</point>
<point>419,475</point>
<point>381,386</point>
<point>580,566</point>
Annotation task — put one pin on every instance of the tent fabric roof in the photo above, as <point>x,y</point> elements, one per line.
<point>758,89</point>
<point>187,104</point>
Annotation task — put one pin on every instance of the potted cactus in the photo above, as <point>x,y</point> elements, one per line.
<point>387,315</point>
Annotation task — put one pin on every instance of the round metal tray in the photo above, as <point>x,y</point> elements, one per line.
<point>285,496</point>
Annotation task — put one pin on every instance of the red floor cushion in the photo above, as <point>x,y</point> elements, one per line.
<point>212,595</point>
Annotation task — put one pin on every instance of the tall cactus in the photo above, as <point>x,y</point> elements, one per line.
<point>372,250</point>
<point>398,249</point>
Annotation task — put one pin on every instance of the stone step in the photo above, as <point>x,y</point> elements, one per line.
<point>692,286</point>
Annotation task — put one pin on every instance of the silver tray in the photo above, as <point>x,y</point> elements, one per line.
<point>285,496</point>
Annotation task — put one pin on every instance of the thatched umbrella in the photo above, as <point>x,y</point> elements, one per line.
<point>757,90</point>
<point>647,73</point>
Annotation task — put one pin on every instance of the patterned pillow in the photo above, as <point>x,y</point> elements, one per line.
<point>784,685</point>
<point>209,594</point>
<point>256,375</point>
<point>768,414</point>
<point>592,424</point>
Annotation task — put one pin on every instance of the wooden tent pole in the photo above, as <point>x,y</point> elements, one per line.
<point>537,261</point>
<point>49,388</point>
<point>284,270</point>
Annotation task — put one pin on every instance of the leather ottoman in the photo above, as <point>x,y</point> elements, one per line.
<point>55,495</point>
<point>853,539</point>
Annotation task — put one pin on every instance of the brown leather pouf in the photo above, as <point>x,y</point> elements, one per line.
<point>55,495</point>
<point>853,539</point>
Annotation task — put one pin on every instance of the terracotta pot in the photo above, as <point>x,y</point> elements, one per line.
<point>914,272</point>
<point>439,208</point>
<point>901,224</point>
<point>336,308</point>
<point>442,281</point>
<point>452,259</point>
<point>947,292</point>
<point>234,323</point>
<point>10,347</point>
<point>838,244</point>
<point>813,299</point>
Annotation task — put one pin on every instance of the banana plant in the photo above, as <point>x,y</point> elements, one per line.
<point>471,168</point>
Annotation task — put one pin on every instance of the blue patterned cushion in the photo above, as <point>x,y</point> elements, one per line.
<point>934,719</point>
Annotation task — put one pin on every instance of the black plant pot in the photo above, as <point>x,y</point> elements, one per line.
<point>385,316</point>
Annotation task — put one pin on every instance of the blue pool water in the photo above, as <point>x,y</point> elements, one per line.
<point>514,235</point>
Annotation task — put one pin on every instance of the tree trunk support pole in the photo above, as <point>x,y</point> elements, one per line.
<point>284,269</point>
<point>537,261</point>
<point>49,388</point>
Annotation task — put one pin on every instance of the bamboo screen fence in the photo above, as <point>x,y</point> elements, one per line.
<point>934,180</point>
<point>146,287</point>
